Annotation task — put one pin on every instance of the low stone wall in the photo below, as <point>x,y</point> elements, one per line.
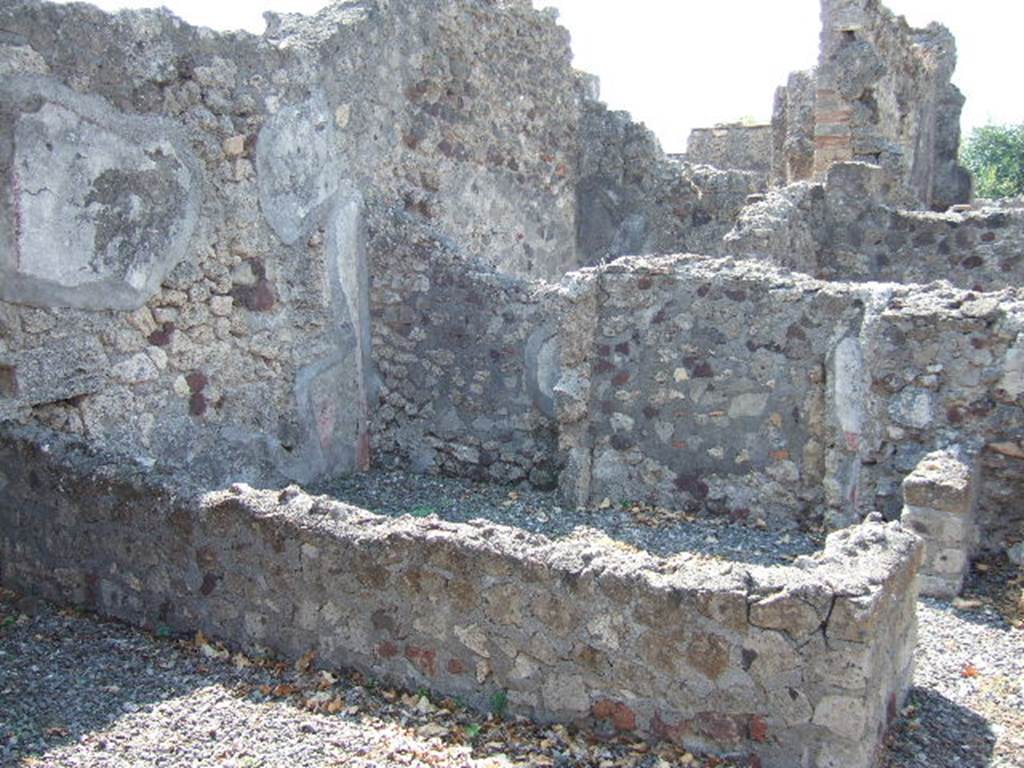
<point>794,665</point>
<point>844,230</point>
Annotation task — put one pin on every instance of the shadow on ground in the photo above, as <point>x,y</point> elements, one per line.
<point>78,690</point>
<point>936,732</point>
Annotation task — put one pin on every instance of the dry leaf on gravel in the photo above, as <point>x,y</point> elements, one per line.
<point>305,661</point>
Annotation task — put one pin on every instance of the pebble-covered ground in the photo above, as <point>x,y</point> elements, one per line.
<point>76,690</point>
<point>661,531</point>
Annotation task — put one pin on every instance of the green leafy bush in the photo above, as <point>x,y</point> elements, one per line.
<point>994,154</point>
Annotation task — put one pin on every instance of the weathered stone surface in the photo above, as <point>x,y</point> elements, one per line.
<point>281,254</point>
<point>941,481</point>
<point>392,613</point>
<point>737,145</point>
<point>880,90</point>
<point>835,235</point>
<point>940,498</point>
<point>298,166</point>
<point>844,715</point>
<point>99,206</point>
<point>631,199</point>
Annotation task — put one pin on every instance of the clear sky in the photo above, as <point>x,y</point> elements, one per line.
<point>681,64</point>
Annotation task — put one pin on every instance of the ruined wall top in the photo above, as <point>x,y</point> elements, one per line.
<point>884,96</point>
<point>735,145</point>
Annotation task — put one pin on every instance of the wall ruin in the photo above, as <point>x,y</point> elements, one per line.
<point>880,94</point>
<point>734,145</point>
<point>803,664</point>
<point>217,315</point>
<point>389,236</point>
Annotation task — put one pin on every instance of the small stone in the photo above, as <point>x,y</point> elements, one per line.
<point>342,115</point>
<point>620,715</point>
<point>843,715</point>
<point>158,356</point>
<point>181,387</point>
<point>220,306</point>
<point>137,369</point>
<point>565,693</point>
<point>142,321</point>
<point>1016,553</point>
<point>234,146</point>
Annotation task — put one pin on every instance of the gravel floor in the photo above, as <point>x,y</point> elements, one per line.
<point>79,691</point>
<point>661,531</point>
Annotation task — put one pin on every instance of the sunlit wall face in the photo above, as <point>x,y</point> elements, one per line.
<point>683,65</point>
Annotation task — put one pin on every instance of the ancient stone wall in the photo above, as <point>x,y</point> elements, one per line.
<point>632,199</point>
<point>1000,516</point>
<point>943,368</point>
<point>883,95</point>
<point>208,302</point>
<point>736,145</point>
<point>708,385</point>
<point>702,384</point>
<point>793,130</point>
<point>845,230</point>
<point>880,94</point>
<point>182,270</point>
<point>466,359</point>
<point>736,388</point>
<point>789,664</point>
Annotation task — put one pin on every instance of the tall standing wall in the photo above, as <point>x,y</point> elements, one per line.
<point>183,265</point>
<point>883,95</point>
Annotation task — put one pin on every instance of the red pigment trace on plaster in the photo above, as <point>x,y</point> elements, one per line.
<point>424,659</point>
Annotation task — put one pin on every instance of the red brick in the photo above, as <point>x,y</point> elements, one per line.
<point>758,729</point>
<point>423,658</point>
<point>721,728</point>
<point>621,716</point>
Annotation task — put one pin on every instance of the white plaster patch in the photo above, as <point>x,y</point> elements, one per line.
<point>849,386</point>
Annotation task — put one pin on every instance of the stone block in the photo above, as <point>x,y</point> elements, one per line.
<point>943,481</point>
<point>844,716</point>
<point>936,526</point>
<point>945,562</point>
<point>942,587</point>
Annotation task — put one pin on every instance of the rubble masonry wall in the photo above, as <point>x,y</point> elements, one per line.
<point>800,664</point>
<point>843,229</point>
<point>734,145</point>
<point>191,286</point>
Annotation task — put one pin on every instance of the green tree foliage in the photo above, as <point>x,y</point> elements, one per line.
<point>994,154</point>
